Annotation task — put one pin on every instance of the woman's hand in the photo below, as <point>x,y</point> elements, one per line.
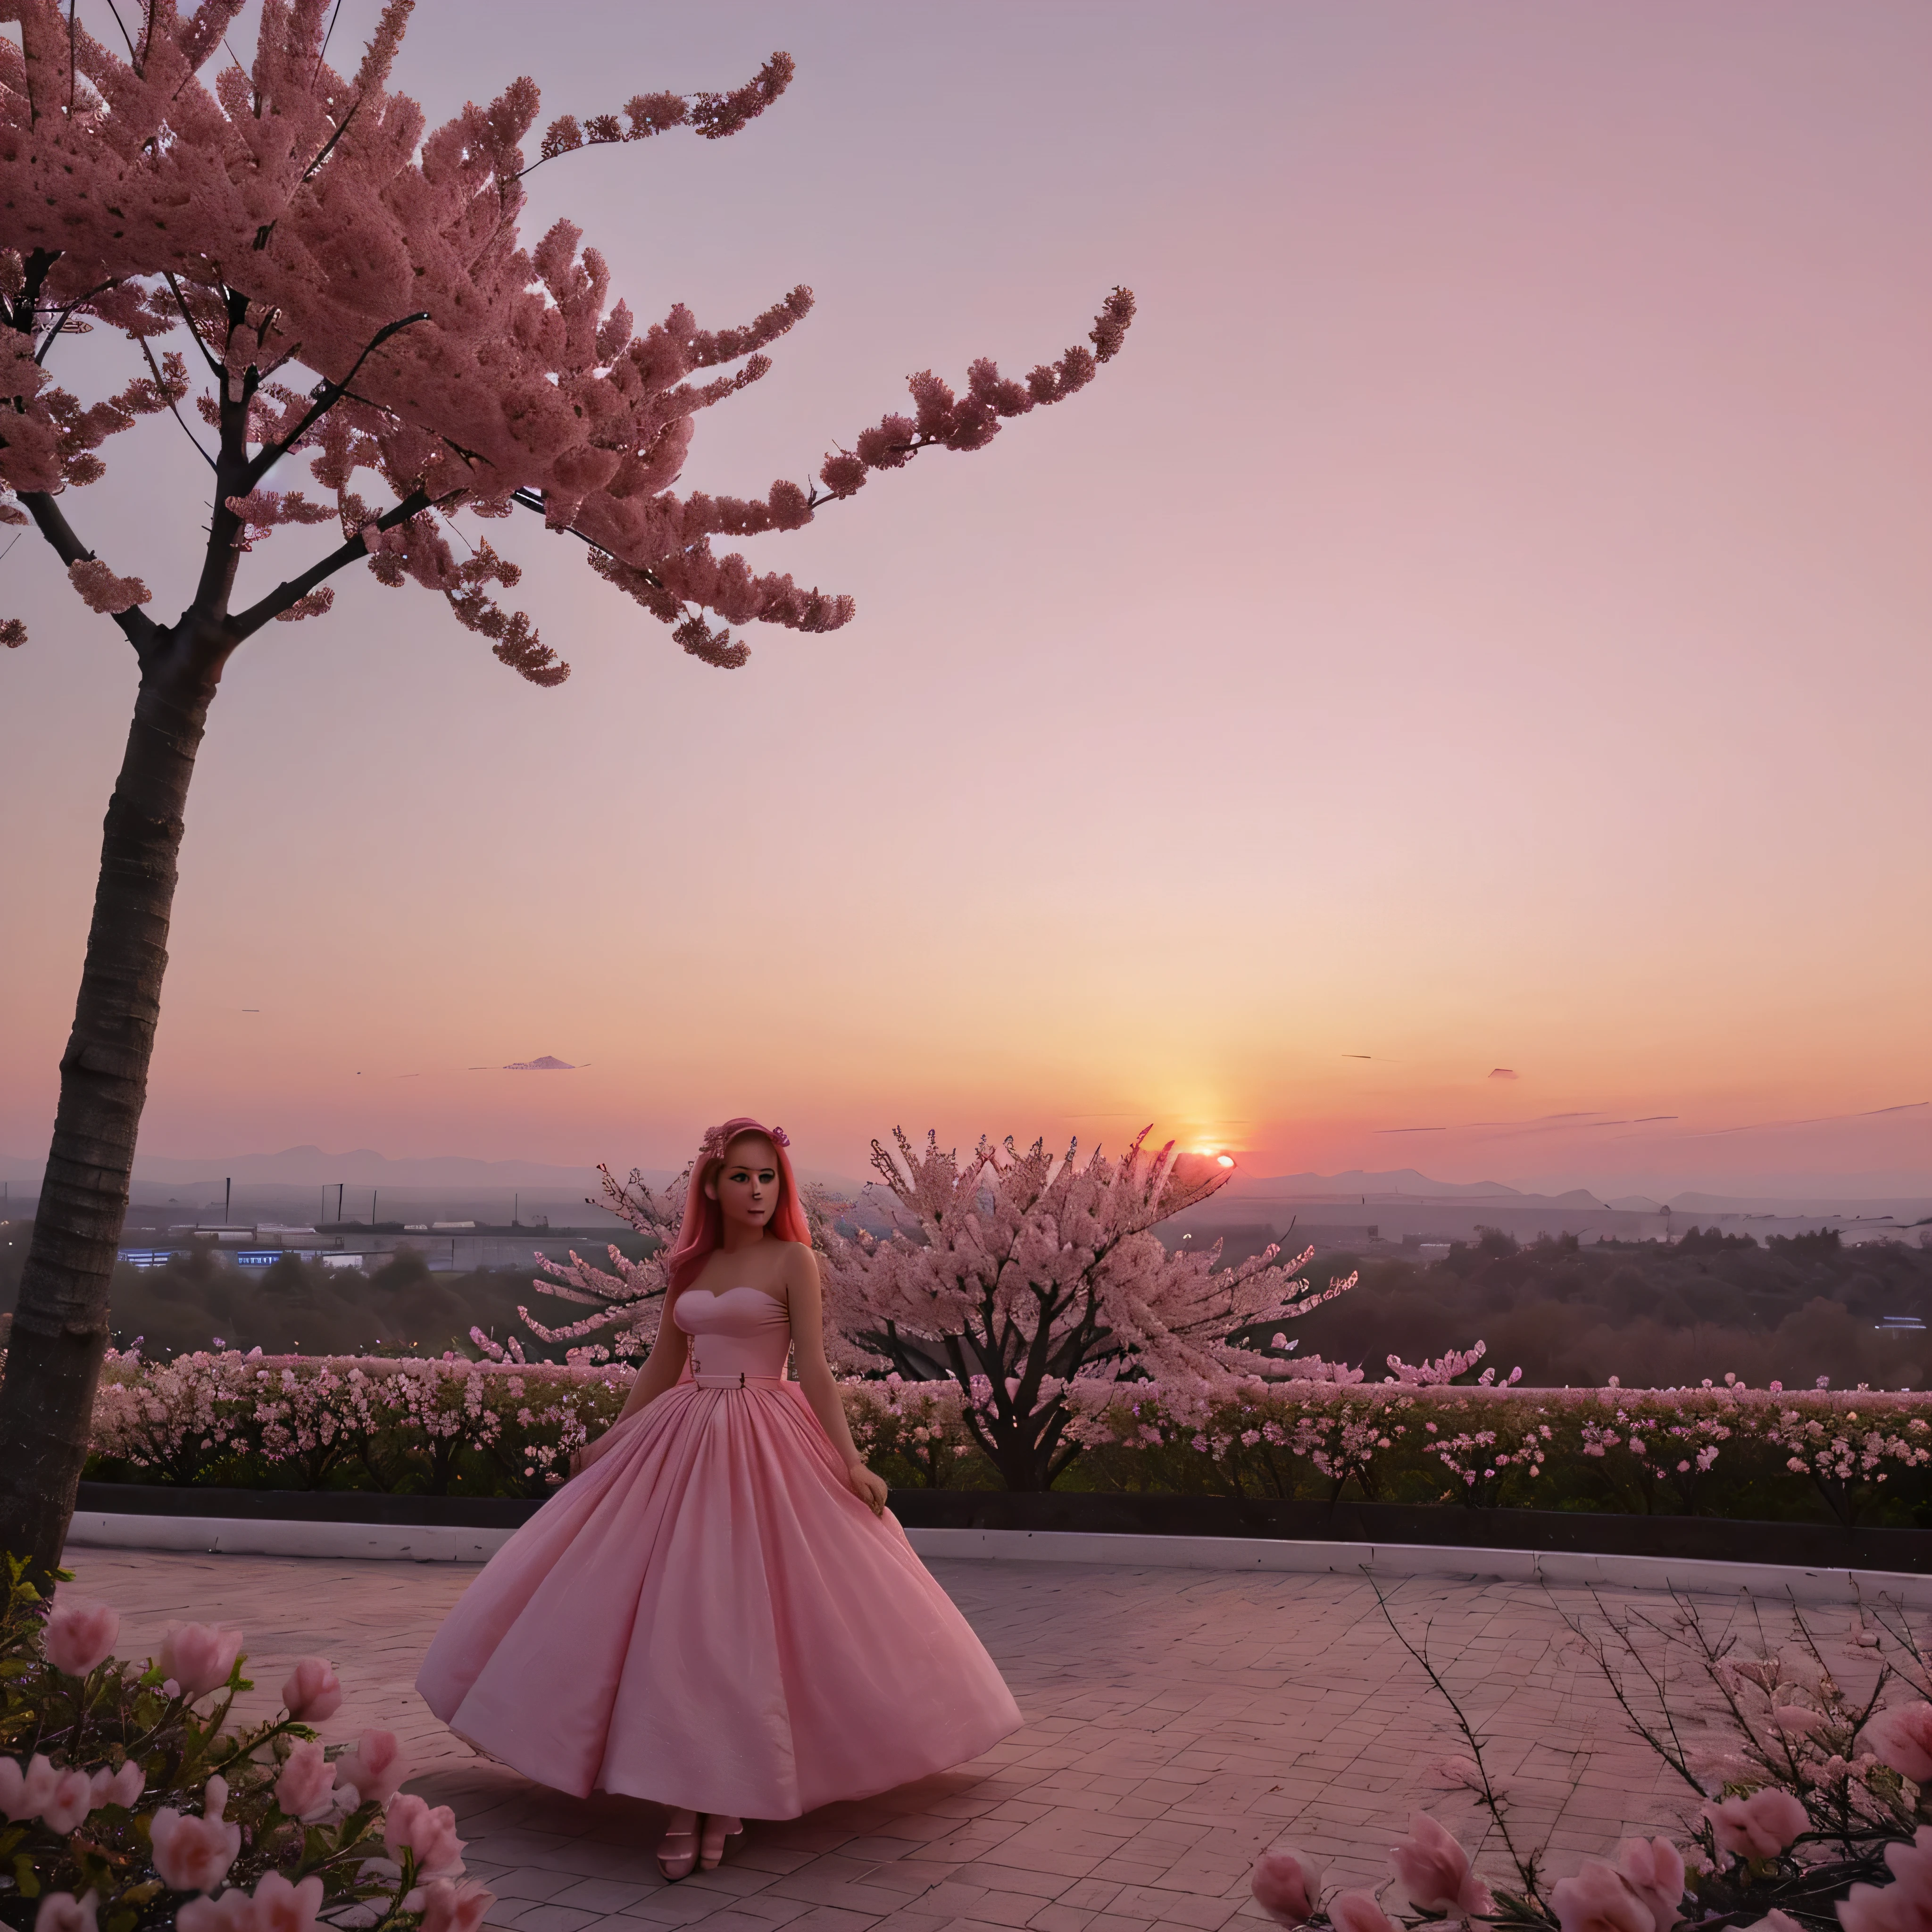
<point>869,1487</point>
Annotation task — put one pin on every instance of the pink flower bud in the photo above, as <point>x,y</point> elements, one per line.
<point>307,1778</point>
<point>1759,1826</point>
<point>23,1791</point>
<point>1891,1908</point>
<point>1357,1912</point>
<point>80,1635</point>
<point>1599,1899</point>
<point>1775,1921</point>
<point>193,1854</point>
<point>281,1906</point>
<point>455,1908</point>
<point>234,1911</point>
<point>69,1802</point>
<point>1285,1886</point>
<point>1900,1738</point>
<point>62,1912</point>
<point>411,1825</point>
<point>1433,1870</point>
<point>199,1658</point>
<point>123,1787</point>
<point>312,1692</point>
<point>1653,1868</point>
<point>375,1768</point>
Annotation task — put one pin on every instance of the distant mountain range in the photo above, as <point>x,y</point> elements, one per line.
<point>364,1167</point>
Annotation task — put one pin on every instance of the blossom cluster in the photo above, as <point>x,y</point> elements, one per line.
<point>1817,1810</point>
<point>288,217</point>
<point>129,1799</point>
<point>1035,1281</point>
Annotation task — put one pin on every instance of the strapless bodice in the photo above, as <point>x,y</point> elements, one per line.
<point>733,1331</point>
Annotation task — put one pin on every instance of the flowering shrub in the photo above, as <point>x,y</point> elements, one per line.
<point>1721,1449</point>
<point>130,1802</point>
<point>1315,1433</point>
<point>306,1421</point>
<point>1035,1284</point>
<point>1812,1809</point>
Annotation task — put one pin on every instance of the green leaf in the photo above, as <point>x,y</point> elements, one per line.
<point>26,1878</point>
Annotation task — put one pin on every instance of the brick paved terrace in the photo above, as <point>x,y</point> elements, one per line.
<point>1178,1723</point>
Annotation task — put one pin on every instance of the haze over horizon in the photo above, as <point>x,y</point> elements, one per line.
<point>1452,694</point>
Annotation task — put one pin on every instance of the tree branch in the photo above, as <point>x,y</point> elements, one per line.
<point>174,408</point>
<point>139,629</point>
<point>285,596</point>
<point>180,302</point>
<point>327,395</point>
<point>66,315</point>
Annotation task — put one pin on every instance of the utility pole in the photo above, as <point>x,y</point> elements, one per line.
<point>373,1193</point>
<point>339,1187</point>
<point>227,1199</point>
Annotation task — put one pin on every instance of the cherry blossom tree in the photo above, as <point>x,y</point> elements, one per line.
<point>300,270</point>
<point>1036,1283</point>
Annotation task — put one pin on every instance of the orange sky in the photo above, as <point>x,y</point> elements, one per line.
<point>1481,621</point>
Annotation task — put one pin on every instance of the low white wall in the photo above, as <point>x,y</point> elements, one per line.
<point>238,1536</point>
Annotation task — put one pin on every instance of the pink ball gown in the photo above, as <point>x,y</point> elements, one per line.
<point>708,1616</point>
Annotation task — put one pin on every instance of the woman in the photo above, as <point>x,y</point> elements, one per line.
<point>717,1612</point>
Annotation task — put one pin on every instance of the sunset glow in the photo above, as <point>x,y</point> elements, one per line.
<point>1475,630</point>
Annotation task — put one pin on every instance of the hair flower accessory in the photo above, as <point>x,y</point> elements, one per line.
<point>711,1146</point>
<point>780,1138</point>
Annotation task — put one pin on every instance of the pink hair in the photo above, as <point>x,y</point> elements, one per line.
<point>702,1228</point>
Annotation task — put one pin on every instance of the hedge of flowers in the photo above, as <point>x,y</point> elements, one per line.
<point>128,1800</point>
<point>509,1425</point>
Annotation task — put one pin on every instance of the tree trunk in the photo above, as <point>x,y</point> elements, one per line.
<point>60,1324</point>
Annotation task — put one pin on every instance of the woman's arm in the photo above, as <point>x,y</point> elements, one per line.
<point>815,1375</point>
<point>662,1368</point>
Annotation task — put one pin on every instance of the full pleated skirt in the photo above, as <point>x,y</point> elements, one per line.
<point>709,1617</point>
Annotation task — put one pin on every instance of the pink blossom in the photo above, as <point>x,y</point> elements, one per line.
<point>312,1693</point>
<point>1653,1868</point>
<point>199,1658</point>
<point>412,1826</point>
<point>1759,1826</point>
<point>1797,1720</point>
<point>101,590</point>
<point>80,1635</point>
<point>1599,1899</point>
<point>1775,1921</point>
<point>234,1911</point>
<point>1433,1870</point>
<point>1357,1912</point>
<point>307,1778</point>
<point>62,1912</point>
<point>281,1906</point>
<point>375,1768</point>
<point>1900,1738</point>
<point>24,1793</point>
<point>123,1787</point>
<point>69,1802</point>
<point>1904,1907</point>
<point>1286,1886</point>
<point>454,1908</point>
<point>193,1854</point>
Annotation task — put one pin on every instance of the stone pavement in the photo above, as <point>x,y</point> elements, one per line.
<point>1178,1723</point>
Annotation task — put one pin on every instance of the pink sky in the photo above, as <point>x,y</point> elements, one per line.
<point>1480,622</point>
